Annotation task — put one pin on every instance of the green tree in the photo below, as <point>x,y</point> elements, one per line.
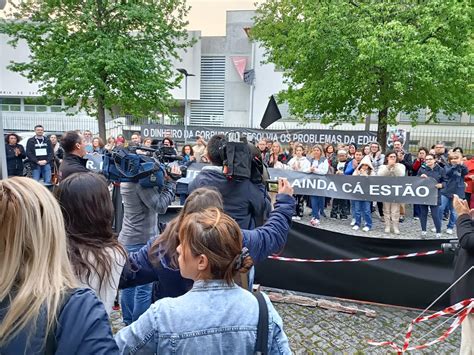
<point>100,54</point>
<point>343,60</point>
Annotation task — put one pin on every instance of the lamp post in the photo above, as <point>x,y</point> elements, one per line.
<point>186,115</point>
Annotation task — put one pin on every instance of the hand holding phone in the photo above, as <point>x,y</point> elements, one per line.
<point>284,187</point>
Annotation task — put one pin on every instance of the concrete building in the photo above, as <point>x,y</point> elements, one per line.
<point>218,95</point>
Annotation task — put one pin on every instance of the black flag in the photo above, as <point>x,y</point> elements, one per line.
<point>271,115</point>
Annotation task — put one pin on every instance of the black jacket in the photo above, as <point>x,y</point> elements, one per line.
<point>244,201</point>
<point>34,143</point>
<point>15,163</point>
<point>408,162</point>
<point>72,164</point>
<point>464,260</point>
<point>437,173</point>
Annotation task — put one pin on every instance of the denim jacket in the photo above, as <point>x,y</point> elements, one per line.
<point>212,318</point>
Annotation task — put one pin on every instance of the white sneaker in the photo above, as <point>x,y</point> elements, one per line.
<point>423,233</point>
<point>416,218</point>
<point>314,222</point>
<point>353,222</point>
<point>449,231</point>
<point>433,230</point>
<point>356,227</point>
<point>366,229</point>
<point>438,235</point>
<point>387,229</point>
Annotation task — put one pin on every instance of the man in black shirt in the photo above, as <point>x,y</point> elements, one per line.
<point>74,147</point>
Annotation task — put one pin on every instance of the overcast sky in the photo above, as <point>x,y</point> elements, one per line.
<point>209,15</point>
<point>206,15</point>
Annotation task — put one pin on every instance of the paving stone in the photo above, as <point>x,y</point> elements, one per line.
<point>409,229</point>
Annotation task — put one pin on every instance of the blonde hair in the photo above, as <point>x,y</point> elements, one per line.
<point>34,266</point>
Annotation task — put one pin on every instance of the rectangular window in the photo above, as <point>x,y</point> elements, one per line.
<point>35,100</point>
<point>209,110</point>
<point>11,104</point>
<point>11,101</point>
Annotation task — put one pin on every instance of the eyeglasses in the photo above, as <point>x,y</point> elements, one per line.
<point>392,157</point>
<point>429,159</point>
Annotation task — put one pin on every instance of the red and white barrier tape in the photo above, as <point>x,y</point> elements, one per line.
<point>464,308</point>
<point>391,257</point>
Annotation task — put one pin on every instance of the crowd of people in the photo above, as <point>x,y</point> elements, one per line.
<point>452,170</point>
<point>183,285</point>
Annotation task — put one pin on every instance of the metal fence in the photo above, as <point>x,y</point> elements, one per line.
<point>420,136</point>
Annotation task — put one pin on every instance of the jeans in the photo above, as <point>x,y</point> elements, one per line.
<point>182,199</point>
<point>317,205</point>
<point>44,171</point>
<point>135,300</point>
<point>353,207</point>
<point>416,211</point>
<point>447,203</point>
<point>362,208</point>
<point>435,214</point>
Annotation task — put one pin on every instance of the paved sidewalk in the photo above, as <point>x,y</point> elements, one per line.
<point>409,229</point>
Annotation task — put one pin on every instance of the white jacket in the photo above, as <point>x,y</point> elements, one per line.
<point>299,164</point>
<point>321,166</point>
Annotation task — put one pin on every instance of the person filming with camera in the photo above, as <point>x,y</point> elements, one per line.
<point>244,199</point>
<point>140,223</point>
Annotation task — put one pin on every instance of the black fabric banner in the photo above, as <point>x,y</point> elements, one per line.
<point>414,282</point>
<point>406,189</point>
<point>306,136</point>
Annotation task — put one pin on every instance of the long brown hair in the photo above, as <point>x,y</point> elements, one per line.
<point>217,236</point>
<point>87,209</point>
<point>168,241</point>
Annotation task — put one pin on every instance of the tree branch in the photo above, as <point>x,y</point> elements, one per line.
<point>431,35</point>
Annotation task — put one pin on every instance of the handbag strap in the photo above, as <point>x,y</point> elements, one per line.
<point>262,327</point>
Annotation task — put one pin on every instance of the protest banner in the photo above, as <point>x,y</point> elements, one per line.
<point>404,189</point>
<point>306,136</point>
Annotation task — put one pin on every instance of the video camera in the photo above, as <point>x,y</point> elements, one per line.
<point>241,160</point>
<point>128,165</point>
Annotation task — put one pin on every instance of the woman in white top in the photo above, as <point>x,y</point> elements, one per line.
<point>320,166</point>
<point>95,253</point>
<point>299,163</point>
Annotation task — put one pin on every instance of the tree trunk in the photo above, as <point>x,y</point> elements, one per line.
<point>101,117</point>
<point>382,129</point>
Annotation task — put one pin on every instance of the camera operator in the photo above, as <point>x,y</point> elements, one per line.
<point>245,201</point>
<point>140,223</point>
<point>463,261</point>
